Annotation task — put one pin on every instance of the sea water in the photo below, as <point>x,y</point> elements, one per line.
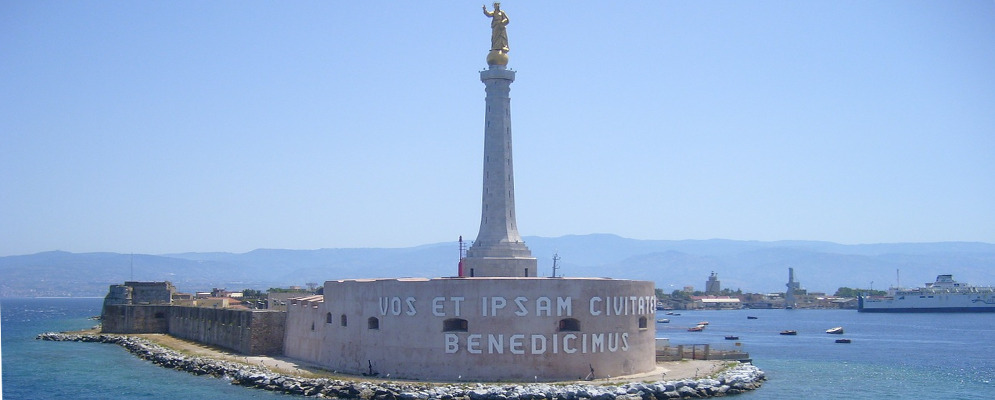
<point>901,356</point>
<point>892,356</point>
<point>35,369</point>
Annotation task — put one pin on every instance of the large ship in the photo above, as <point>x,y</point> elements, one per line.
<point>944,295</point>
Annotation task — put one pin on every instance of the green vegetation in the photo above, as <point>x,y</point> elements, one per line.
<point>681,295</point>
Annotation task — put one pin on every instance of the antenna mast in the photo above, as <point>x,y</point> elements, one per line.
<point>462,255</point>
<point>556,258</point>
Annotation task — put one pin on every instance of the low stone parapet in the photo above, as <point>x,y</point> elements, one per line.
<point>740,378</point>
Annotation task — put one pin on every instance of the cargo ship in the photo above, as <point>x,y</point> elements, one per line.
<point>944,295</point>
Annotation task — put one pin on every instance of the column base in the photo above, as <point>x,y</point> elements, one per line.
<point>499,267</point>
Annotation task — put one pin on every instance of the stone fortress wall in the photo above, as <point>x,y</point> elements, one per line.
<point>244,331</point>
<point>486,329</point>
<point>144,307</point>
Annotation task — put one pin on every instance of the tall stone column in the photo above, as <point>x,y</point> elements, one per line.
<point>499,249</point>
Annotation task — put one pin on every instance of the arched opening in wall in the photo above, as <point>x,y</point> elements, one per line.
<point>568,325</point>
<point>642,323</point>
<point>454,325</point>
<point>328,318</point>
<point>342,320</point>
<point>373,323</point>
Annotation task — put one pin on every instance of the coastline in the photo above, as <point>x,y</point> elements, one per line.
<point>718,378</point>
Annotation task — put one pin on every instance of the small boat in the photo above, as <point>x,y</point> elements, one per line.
<point>750,317</point>
<point>843,340</point>
<point>835,331</point>
<point>670,313</point>
<point>789,332</point>
<point>732,337</point>
<point>703,323</point>
<point>698,328</point>
<point>663,321</point>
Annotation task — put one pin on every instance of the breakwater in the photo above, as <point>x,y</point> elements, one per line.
<point>738,379</point>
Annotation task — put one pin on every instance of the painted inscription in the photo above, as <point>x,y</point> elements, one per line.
<point>556,343</point>
<point>520,306</point>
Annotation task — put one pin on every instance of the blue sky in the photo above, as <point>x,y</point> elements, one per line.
<point>158,127</point>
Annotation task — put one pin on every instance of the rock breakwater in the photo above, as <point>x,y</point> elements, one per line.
<point>737,379</point>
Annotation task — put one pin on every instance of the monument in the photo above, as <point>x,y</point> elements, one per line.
<point>497,321</point>
<point>499,249</point>
<point>712,285</point>
<point>789,295</point>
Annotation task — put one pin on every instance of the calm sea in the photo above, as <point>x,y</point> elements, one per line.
<point>950,356</point>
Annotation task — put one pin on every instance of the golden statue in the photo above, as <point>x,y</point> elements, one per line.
<point>499,36</point>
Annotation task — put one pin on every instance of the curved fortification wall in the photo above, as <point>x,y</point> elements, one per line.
<point>487,329</point>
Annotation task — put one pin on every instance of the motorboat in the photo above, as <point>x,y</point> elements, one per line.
<point>732,337</point>
<point>663,321</point>
<point>750,317</point>
<point>789,332</point>
<point>835,331</point>
<point>698,328</point>
<point>703,323</point>
<point>843,340</point>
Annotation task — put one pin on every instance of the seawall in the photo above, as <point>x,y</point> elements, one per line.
<point>245,331</point>
<point>738,379</point>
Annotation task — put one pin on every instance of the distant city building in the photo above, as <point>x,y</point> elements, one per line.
<point>712,285</point>
<point>217,302</point>
<point>279,300</point>
<point>225,293</point>
<point>715,303</point>
<point>789,295</point>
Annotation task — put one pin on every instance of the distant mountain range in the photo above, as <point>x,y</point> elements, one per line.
<point>748,265</point>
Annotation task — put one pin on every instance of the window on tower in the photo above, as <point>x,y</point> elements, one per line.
<point>454,325</point>
<point>568,325</point>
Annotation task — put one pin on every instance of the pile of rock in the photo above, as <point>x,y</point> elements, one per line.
<point>738,379</point>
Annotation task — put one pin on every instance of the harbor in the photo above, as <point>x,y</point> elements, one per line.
<point>947,363</point>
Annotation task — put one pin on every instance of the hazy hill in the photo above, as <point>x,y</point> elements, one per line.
<point>748,265</point>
